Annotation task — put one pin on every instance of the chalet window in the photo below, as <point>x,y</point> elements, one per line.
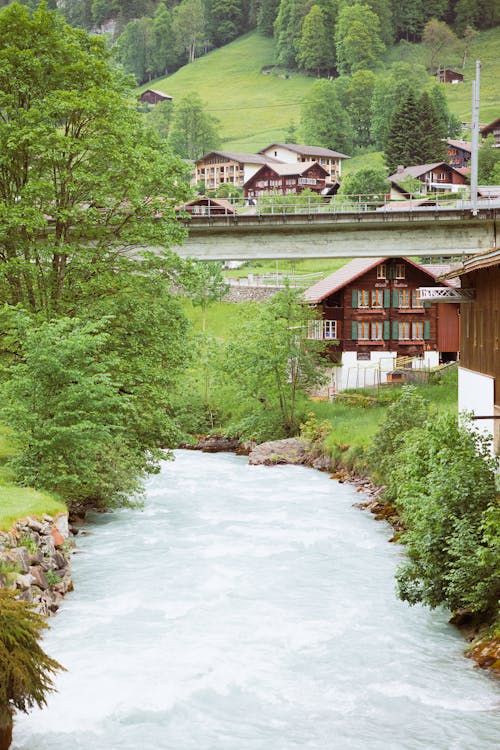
<point>322,330</point>
<point>363,331</point>
<point>403,298</point>
<point>291,182</point>
<point>415,299</point>
<point>403,331</point>
<point>417,331</point>
<point>330,329</point>
<point>275,183</point>
<point>364,298</point>
<point>382,271</point>
<point>400,271</point>
<point>377,331</point>
<point>377,297</point>
<point>262,184</point>
<point>307,181</point>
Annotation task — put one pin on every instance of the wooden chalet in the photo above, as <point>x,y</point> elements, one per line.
<point>479,370</point>
<point>448,75</point>
<point>371,314</point>
<point>151,96</point>
<point>291,153</point>
<point>205,206</point>
<point>218,167</point>
<point>492,129</point>
<point>438,177</point>
<point>286,179</point>
<point>458,153</point>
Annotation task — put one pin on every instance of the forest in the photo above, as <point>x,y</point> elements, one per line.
<point>153,38</point>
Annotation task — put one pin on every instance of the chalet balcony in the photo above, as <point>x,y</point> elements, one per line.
<point>323,330</point>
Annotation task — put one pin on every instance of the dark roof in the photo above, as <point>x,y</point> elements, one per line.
<point>307,150</point>
<point>464,145</point>
<point>417,170</point>
<point>491,126</point>
<point>241,157</point>
<point>353,270</point>
<point>158,93</point>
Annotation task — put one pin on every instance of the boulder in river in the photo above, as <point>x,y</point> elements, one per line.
<point>286,451</point>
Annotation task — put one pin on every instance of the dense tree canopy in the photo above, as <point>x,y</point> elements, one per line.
<point>357,38</point>
<point>323,120</point>
<point>193,131</point>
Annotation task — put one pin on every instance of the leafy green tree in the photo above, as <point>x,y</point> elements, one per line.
<point>357,39</point>
<point>408,19</point>
<point>159,119</point>
<point>288,30</point>
<point>189,27</point>
<point>383,11</point>
<point>26,671</point>
<point>323,121</point>
<point>225,20</point>
<point>368,181</point>
<point>165,58</point>
<point>389,92</point>
<point>449,123</point>
<point>488,162</point>
<point>80,179</point>
<point>359,94</point>
<point>314,45</point>
<point>446,494</point>
<point>268,10</point>
<point>479,14</point>
<point>270,363</point>
<point>135,49</point>
<point>439,40</point>
<point>291,132</point>
<point>206,286</point>
<point>194,131</point>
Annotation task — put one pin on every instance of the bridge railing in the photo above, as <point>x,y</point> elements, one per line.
<point>276,205</point>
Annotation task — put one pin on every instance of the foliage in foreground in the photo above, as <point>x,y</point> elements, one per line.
<point>441,476</point>
<point>25,669</point>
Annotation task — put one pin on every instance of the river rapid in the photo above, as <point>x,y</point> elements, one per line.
<point>252,608</point>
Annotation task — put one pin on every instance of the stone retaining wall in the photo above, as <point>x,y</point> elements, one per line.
<point>35,561</point>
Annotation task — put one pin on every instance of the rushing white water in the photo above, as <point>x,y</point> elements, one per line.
<point>252,608</point>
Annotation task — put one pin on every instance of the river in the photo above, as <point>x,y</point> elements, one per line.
<point>252,608</point>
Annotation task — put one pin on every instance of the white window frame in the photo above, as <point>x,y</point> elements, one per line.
<point>404,327</point>
<point>378,331</point>
<point>364,298</point>
<point>401,294</point>
<point>400,271</point>
<point>377,296</point>
<point>416,302</point>
<point>382,271</point>
<point>364,331</point>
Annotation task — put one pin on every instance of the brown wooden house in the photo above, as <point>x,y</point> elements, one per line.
<point>290,153</point>
<point>479,371</point>
<point>205,206</point>
<point>492,129</point>
<point>287,179</point>
<point>448,75</point>
<point>151,96</point>
<point>436,177</point>
<point>371,314</point>
<point>458,153</point>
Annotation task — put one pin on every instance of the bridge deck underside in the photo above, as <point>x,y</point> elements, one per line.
<point>247,238</point>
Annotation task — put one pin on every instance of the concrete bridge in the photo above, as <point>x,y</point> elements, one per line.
<point>430,230</point>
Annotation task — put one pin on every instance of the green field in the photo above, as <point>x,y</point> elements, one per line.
<point>19,502</point>
<point>256,109</point>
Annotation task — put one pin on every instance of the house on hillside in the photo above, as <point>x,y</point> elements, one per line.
<point>448,75</point>
<point>205,206</point>
<point>151,96</point>
<point>492,129</point>
<point>291,153</point>
<point>286,179</point>
<point>458,153</point>
<point>370,314</point>
<point>479,371</point>
<point>438,177</point>
<point>218,167</point>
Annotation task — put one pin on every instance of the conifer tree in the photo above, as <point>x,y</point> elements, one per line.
<point>288,29</point>
<point>266,16</point>
<point>429,142</point>
<point>25,669</point>
<point>405,124</point>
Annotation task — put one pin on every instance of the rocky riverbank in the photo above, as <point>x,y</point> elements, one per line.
<point>35,561</point>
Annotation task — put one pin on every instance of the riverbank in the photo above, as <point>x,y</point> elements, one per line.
<point>484,638</point>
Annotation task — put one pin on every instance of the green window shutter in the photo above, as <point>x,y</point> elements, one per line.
<point>427,329</point>
<point>395,330</point>
<point>355,299</point>
<point>395,298</point>
<point>427,304</point>
<point>387,328</point>
<point>354,334</point>
<point>387,297</point>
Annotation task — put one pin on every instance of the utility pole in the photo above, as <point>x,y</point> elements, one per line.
<point>475,138</point>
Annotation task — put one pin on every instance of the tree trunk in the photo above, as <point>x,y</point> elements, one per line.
<point>5,729</point>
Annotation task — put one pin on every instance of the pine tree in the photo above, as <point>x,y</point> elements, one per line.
<point>25,669</point>
<point>266,16</point>
<point>405,124</point>
<point>429,142</point>
<point>224,20</point>
<point>288,29</point>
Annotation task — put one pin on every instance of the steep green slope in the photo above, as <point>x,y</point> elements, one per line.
<point>256,109</point>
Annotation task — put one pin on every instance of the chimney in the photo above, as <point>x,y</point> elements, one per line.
<point>400,169</point>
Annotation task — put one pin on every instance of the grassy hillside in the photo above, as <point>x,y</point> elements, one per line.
<point>255,109</point>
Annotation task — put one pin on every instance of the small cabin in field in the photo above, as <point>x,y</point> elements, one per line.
<point>448,75</point>
<point>370,314</point>
<point>287,179</point>
<point>151,96</point>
